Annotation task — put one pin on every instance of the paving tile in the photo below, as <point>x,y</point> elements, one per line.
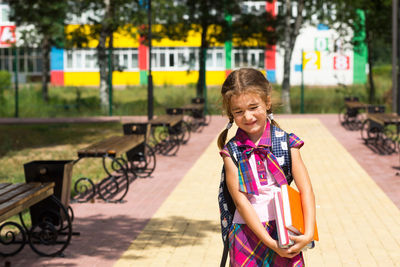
<point>357,207</point>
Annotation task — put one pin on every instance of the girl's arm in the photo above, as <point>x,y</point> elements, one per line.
<point>303,183</point>
<point>247,211</point>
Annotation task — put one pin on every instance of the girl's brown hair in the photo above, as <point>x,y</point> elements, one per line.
<point>244,80</point>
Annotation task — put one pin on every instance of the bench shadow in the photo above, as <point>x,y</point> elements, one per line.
<point>108,239</point>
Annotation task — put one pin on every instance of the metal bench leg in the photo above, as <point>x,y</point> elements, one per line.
<point>146,162</point>
<point>85,190</point>
<point>52,234</point>
<point>114,187</point>
<point>12,238</point>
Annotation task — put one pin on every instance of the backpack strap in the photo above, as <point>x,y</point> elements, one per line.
<point>281,150</point>
<point>233,153</point>
<point>230,146</point>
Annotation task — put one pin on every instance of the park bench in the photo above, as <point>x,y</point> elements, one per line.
<point>375,130</point>
<point>142,158</point>
<point>115,185</point>
<point>182,128</point>
<point>196,111</point>
<point>350,115</point>
<point>167,133</point>
<point>48,235</point>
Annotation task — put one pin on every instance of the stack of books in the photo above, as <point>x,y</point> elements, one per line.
<point>289,216</point>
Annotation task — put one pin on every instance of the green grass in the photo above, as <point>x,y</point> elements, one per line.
<point>132,100</point>
<point>84,101</point>
<point>23,143</point>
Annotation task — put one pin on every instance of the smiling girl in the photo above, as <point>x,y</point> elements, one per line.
<point>253,241</point>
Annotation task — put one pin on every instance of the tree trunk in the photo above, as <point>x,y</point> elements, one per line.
<point>291,32</point>
<point>102,60</point>
<point>45,68</point>
<point>286,82</point>
<point>286,60</point>
<point>201,83</point>
<point>371,91</point>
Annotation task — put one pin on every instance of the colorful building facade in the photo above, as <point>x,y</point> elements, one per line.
<point>318,52</point>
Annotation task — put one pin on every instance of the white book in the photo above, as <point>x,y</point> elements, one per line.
<point>283,234</point>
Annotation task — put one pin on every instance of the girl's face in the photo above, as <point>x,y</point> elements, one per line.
<point>250,114</point>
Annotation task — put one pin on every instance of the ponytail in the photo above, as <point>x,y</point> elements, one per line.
<point>271,119</point>
<point>222,136</point>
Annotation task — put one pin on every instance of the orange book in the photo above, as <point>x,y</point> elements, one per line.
<point>293,211</point>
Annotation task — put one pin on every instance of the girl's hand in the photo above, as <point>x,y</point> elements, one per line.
<point>284,252</point>
<point>300,241</point>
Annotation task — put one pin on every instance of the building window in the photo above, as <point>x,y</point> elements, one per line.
<point>171,60</point>
<point>69,60</point>
<point>134,61</point>
<point>86,60</point>
<point>27,60</point>
<point>248,57</point>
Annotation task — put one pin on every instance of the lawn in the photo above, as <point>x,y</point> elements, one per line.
<point>24,143</point>
<point>132,100</point>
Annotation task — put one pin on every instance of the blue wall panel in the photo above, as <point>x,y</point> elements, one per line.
<point>57,58</point>
<point>271,76</point>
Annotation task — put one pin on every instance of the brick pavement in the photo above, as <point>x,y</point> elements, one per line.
<point>358,223</point>
<point>107,229</point>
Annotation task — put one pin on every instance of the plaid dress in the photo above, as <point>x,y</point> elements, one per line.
<point>245,248</point>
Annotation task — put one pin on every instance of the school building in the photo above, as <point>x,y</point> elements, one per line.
<point>325,57</point>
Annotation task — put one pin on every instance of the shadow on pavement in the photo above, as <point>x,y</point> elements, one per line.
<point>106,239</point>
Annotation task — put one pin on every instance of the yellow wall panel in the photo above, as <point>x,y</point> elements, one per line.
<point>122,39</point>
<point>126,39</point>
<point>82,78</point>
<point>86,30</point>
<point>93,78</point>
<point>249,43</point>
<point>126,78</point>
<point>215,77</point>
<point>174,77</point>
<point>184,77</point>
<point>193,40</point>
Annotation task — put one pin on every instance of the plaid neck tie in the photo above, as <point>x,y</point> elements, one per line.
<point>247,183</point>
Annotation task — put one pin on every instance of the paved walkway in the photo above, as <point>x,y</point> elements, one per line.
<point>172,219</point>
<point>358,224</point>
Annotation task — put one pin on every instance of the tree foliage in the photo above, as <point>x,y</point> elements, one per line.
<point>48,18</point>
<point>371,23</point>
<point>103,19</point>
<point>216,22</point>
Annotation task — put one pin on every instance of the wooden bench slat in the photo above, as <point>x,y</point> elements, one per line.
<point>100,145</point>
<point>10,188</point>
<point>112,146</point>
<point>384,118</point>
<point>168,120</point>
<point>355,104</point>
<point>25,200</point>
<point>3,185</point>
<point>21,188</point>
<point>190,107</point>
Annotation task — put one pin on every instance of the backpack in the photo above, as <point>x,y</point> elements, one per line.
<point>226,205</point>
